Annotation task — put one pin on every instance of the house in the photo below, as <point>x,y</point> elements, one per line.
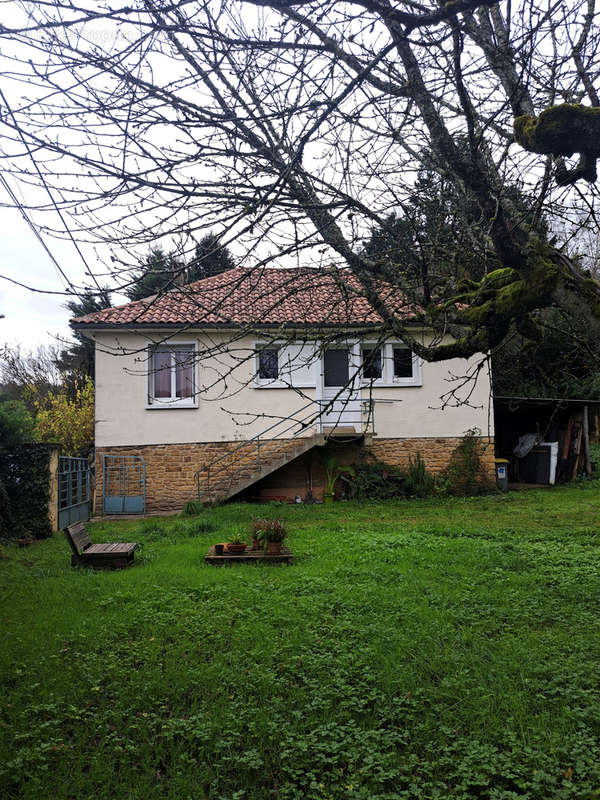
<point>229,384</point>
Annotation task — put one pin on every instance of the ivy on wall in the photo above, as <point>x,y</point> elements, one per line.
<point>25,478</point>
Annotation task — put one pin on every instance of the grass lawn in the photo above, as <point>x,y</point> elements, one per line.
<point>426,649</point>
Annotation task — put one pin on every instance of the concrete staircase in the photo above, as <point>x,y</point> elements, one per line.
<point>248,463</point>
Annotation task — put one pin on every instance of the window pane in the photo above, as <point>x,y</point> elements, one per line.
<point>268,364</point>
<point>372,364</point>
<point>184,375</point>
<point>162,373</point>
<point>403,363</point>
<point>335,367</point>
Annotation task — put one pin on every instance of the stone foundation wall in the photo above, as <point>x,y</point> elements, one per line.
<point>436,453</point>
<point>308,471</point>
<point>170,468</point>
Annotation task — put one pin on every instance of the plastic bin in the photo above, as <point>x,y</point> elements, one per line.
<point>539,466</point>
<point>502,473</point>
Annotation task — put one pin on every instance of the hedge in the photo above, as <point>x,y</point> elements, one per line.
<point>24,491</point>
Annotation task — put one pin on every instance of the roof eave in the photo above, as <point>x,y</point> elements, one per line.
<point>186,326</point>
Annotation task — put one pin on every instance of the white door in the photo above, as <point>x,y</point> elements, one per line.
<point>340,388</point>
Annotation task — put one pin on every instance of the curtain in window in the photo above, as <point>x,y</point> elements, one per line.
<point>184,373</point>
<point>162,373</point>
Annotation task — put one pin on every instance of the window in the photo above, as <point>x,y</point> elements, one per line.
<point>268,364</point>
<point>403,362</point>
<point>390,364</point>
<point>172,377</point>
<point>372,364</point>
<point>282,365</point>
<point>336,367</point>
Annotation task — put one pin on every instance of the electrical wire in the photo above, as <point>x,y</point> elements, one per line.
<point>17,203</point>
<point>52,200</point>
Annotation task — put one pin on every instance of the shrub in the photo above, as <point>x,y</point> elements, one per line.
<point>193,508</point>
<point>418,481</point>
<point>334,471</point>
<point>24,472</point>
<point>465,474</point>
<point>376,480</point>
<point>16,423</point>
<point>68,421</point>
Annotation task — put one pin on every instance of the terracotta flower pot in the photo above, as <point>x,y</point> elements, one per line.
<point>255,544</point>
<point>236,549</point>
<point>273,548</point>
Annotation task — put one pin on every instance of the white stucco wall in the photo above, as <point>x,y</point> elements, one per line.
<point>123,418</point>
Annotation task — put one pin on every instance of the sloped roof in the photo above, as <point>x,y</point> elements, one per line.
<point>264,296</point>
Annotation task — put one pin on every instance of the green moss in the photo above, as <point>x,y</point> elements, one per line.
<point>476,315</point>
<point>503,293</point>
<point>506,295</point>
<point>499,277</point>
<point>509,295</point>
<point>560,130</point>
<point>524,131</point>
<point>467,285</point>
<point>510,298</point>
<point>477,293</point>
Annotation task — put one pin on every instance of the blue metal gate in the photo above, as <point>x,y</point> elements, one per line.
<point>124,482</point>
<point>73,491</point>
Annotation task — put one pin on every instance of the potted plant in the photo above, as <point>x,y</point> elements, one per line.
<point>236,546</point>
<point>256,526</point>
<point>271,534</point>
<point>333,471</point>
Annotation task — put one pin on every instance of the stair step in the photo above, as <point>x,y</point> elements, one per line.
<point>242,470</point>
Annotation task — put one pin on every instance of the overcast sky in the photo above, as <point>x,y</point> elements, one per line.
<point>32,319</point>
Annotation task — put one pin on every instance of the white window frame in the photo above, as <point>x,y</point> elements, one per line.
<point>290,368</point>
<point>372,346</point>
<point>285,379</point>
<point>417,377</point>
<point>153,403</point>
<point>388,379</point>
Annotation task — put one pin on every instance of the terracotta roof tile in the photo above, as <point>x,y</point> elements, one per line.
<point>265,296</point>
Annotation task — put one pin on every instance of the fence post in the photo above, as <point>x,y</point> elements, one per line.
<point>53,489</point>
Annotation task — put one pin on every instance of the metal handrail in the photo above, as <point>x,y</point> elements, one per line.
<point>228,456</point>
<point>256,436</point>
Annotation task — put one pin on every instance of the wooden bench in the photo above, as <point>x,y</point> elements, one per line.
<point>111,555</point>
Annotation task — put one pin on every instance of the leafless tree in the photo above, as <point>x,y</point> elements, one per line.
<point>29,375</point>
<point>293,127</point>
